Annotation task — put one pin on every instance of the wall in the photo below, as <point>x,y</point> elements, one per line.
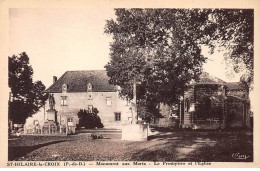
<point>215,92</point>
<point>189,94</point>
<point>77,101</point>
<point>238,113</point>
<point>239,93</point>
<point>196,96</point>
<point>39,116</point>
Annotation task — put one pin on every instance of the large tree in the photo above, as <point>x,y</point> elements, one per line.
<point>26,96</point>
<point>162,48</point>
<point>157,47</point>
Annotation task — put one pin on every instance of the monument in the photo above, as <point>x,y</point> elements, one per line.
<point>51,112</point>
<point>136,131</point>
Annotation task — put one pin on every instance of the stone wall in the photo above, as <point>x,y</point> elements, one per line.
<point>188,95</point>
<point>206,106</point>
<point>237,112</point>
<point>77,101</point>
<point>239,93</point>
<point>216,94</point>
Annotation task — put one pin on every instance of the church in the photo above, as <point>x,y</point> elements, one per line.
<point>210,103</point>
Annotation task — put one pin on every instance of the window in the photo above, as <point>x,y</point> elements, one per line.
<point>89,87</point>
<point>64,88</point>
<point>207,102</point>
<point>70,120</point>
<point>90,96</point>
<point>109,101</point>
<point>90,108</point>
<point>63,100</point>
<point>117,116</point>
<point>187,105</point>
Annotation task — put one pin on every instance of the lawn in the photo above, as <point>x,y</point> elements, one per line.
<point>201,146</point>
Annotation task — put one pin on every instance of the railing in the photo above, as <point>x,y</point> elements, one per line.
<point>49,130</point>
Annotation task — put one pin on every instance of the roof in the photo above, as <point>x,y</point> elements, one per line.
<point>232,97</point>
<point>235,86</point>
<point>206,78</point>
<point>77,81</point>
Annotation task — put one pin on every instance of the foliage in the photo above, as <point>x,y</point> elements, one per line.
<point>144,112</point>
<point>162,48</point>
<point>89,120</point>
<point>232,30</point>
<point>155,46</point>
<point>27,96</point>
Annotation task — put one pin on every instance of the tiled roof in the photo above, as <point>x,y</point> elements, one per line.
<point>206,78</point>
<point>235,86</point>
<point>77,81</point>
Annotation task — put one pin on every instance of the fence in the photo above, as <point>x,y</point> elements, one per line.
<point>49,130</point>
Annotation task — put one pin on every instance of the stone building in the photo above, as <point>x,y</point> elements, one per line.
<point>212,103</point>
<point>76,90</point>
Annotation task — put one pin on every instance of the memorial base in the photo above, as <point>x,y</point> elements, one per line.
<point>135,132</point>
<point>51,115</point>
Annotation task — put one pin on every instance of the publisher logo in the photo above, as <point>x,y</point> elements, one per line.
<point>240,156</point>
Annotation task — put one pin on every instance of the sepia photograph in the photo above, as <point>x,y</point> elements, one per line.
<point>130,86</point>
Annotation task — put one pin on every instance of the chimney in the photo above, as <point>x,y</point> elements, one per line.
<point>54,79</point>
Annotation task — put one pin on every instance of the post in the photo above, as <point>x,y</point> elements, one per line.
<point>66,128</point>
<point>135,117</point>
<point>180,114</point>
<point>44,113</point>
<point>135,131</point>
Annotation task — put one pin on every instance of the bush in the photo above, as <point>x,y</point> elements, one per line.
<point>89,120</point>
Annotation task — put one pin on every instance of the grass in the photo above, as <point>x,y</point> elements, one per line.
<point>200,146</point>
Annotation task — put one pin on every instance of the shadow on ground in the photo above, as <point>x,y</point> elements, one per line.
<point>18,151</point>
<point>198,146</point>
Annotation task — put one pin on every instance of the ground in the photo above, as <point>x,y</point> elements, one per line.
<point>204,146</point>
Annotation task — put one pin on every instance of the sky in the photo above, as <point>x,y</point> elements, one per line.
<point>60,40</point>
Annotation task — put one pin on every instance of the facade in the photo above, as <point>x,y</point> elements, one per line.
<point>209,103</point>
<point>212,103</point>
<point>76,90</point>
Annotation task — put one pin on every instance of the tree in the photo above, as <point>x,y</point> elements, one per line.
<point>27,96</point>
<point>232,30</point>
<point>155,46</point>
<point>162,48</point>
<point>89,120</point>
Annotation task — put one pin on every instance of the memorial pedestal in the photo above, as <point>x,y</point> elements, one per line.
<point>135,132</point>
<point>51,115</point>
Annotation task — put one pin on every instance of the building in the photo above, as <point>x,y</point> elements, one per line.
<point>76,90</point>
<point>211,103</point>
